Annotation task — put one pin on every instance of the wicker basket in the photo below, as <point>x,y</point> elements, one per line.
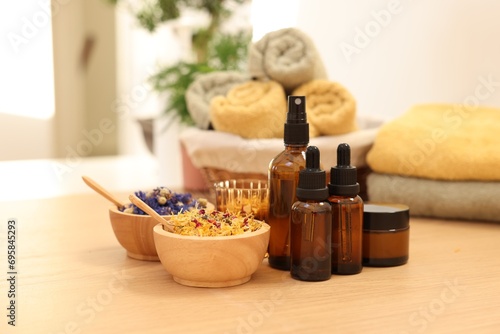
<point>212,154</point>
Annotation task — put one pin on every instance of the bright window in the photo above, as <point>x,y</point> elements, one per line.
<point>26,61</point>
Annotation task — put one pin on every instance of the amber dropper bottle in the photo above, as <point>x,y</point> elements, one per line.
<point>311,224</point>
<point>283,178</point>
<point>347,215</point>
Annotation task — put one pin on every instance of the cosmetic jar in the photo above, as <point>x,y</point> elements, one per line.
<point>386,234</point>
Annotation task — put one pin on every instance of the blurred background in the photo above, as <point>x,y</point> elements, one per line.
<point>74,73</point>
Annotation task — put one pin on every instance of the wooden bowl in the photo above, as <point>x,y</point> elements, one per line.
<point>135,234</point>
<point>213,262</point>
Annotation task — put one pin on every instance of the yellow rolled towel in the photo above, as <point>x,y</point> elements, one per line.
<point>331,109</point>
<point>442,142</point>
<point>253,109</point>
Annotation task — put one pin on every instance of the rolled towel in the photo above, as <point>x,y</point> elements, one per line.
<point>205,87</point>
<point>440,141</point>
<point>287,56</point>
<point>331,109</point>
<point>473,200</point>
<point>253,109</point>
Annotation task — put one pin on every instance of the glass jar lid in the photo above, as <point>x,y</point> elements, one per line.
<point>385,216</point>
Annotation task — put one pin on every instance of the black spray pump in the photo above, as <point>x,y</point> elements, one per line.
<point>343,177</point>
<point>296,126</point>
<point>312,180</point>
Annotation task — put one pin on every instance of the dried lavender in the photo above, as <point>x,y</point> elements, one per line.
<point>164,202</point>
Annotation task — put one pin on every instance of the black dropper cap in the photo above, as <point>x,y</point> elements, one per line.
<point>312,180</point>
<point>296,126</point>
<point>343,177</point>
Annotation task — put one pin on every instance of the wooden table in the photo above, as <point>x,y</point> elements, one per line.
<point>74,277</point>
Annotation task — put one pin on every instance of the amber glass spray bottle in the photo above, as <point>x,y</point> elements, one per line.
<point>283,178</point>
<point>311,224</point>
<point>347,215</point>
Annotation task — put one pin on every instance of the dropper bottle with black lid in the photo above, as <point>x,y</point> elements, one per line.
<point>347,215</point>
<point>311,224</point>
<point>283,178</point>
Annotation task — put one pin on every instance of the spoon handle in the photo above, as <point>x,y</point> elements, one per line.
<point>94,185</point>
<point>146,208</point>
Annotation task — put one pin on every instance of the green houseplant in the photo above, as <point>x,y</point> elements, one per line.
<point>213,49</point>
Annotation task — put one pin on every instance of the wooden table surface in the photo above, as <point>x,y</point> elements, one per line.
<point>74,277</point>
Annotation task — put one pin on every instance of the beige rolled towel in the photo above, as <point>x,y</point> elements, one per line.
<point>331,109</point>
<point>254,109</point>
<point>205,87</point>
<point>287,56</point>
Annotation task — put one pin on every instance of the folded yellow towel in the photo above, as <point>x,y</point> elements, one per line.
<point>443,141</point>
<point>331,109</point>
<point>253,109</point>
<point>287,56</point>
<point>206,86</point>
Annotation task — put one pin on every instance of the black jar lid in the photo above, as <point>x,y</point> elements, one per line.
<point>385,216</point>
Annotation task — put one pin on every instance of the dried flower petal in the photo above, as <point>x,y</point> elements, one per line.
<point>216,223</point>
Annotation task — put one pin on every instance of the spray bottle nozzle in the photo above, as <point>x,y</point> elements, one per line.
<point>296,110</point>
<point>296,126</point>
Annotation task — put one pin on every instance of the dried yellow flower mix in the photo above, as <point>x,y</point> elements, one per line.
<point>211,224</point>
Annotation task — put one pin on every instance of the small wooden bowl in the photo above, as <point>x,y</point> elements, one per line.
<point>211,261</point>
<point>135,234</point>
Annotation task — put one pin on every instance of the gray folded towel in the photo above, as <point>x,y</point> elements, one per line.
<point>287,56</point>
<point>471,200</point>
<point>206,86</point>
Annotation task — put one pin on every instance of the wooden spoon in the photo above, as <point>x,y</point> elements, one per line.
<point>146,208</point>
<point>106,194</point>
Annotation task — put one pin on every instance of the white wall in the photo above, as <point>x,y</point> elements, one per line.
<point>428,51</point>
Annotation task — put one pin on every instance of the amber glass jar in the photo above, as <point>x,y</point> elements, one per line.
<point>386,234</point>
